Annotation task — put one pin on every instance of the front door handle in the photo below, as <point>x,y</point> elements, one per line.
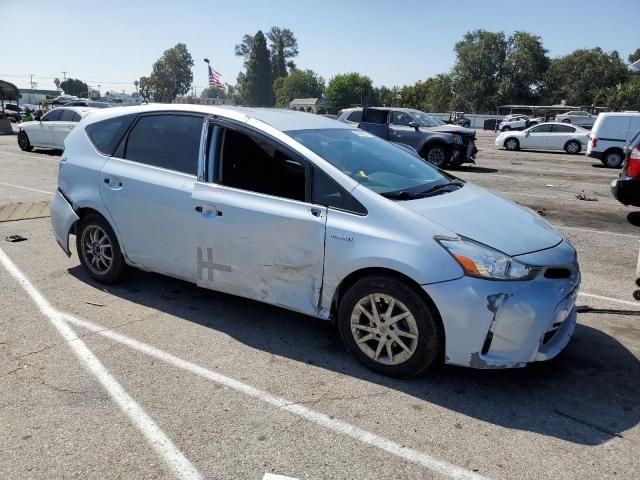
<point>208,211</point>
<point>113,184</point>
<point>316,212</point>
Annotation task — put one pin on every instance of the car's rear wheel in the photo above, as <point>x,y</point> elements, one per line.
<point>566,120</point>
<point>23,141</point>
<point>506,129</point>
<point>436,155</point>
<point>572,147</point>
<point>99,251</point>
<point>612,159</point>
<point>512,144</point>
<point>389,327</point>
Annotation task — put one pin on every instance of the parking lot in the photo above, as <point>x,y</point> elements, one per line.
<point>156,378</point>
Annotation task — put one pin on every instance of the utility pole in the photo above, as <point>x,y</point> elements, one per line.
<point>64,76</point>
<point>31,80</point>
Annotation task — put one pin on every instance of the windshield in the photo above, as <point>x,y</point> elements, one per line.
<point>370,161</point>
<point>426,120</point>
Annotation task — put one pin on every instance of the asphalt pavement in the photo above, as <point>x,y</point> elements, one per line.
<point>156,378</point>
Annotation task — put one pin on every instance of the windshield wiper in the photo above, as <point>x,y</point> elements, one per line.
<point>440,187</point>
<point>402,195</point>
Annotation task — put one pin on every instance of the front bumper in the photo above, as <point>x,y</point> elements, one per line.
<point>502,324</point>
<point>626,190</point>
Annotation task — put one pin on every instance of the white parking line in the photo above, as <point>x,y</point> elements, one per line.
<point>601,232</point>
<point>156,438</point>
<point>31,156</point>
<point>610,299</point>
<point>25,188</point>
<point>338,426</point>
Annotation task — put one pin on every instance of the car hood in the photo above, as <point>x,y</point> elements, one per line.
<point>453,129</point>
<point>483,216</point>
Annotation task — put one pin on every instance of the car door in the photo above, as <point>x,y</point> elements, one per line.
<point>147,186</point>
<point>558,136</point>
<point>400,131</point>
<point>536,137</point>
<point>257,234</point>
<point>41,134</point>
<point>63,127</point>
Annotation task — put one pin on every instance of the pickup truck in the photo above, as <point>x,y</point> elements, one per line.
<point>440,144</point>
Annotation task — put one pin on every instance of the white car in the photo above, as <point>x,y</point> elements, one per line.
<point>317,216</point>
<point>51,130</point>
<point>546,136</point>
<point>518,122</point>
<point>579,117</point>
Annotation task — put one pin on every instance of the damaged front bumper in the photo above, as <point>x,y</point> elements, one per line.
<point>503,324</point>
<point>62,219</point>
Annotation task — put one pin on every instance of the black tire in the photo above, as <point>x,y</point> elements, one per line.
<point>23,141</point>
<point>466,125</point>
<point>436,155</point>
<point>117,268</point>
<point>572,147</point>
<point>427,348</point>
<point>612,159</point>
<point>566,120</point>
<point>506,128</point>
<point>512,144</point>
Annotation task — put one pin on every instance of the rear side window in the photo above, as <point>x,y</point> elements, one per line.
<point>106,135</point>
<point>355,116</point>
<point>67,115</point>
<point>563,129</point>
<point>76,117</point>
<point>328,193</point>
<point>166,141</point>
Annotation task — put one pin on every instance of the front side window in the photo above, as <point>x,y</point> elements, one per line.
<point>53,115</point>
<point>541,129</point>
<point>402,119</point>
<point>426,120</point>
<point>166,141</point>
<point>375,163</point>
<point>250,162</point>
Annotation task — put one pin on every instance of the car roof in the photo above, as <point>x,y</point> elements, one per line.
<point>79,110</point>
<point>281,119</point>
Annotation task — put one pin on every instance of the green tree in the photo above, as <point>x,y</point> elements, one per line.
<point>524,69</point>
<point>634,56</point>
<point>211,93</point>
<point>278,38</point>
<point>625,96</point>
<point>298,84</point>
<point>432,95</point>
<point>582,77</point>
<point>477,73</point>
<point>349,89</point>
<point>279,66</point>
<point>171,76</point>
<point>73,86</point>
<point>257,88</point>
<point>56,82</point>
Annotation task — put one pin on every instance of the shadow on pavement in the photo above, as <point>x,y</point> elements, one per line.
<point>588,395</point>
<point>634,218</point>
<point>474,169</point>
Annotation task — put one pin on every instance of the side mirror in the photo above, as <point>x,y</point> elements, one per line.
<point>414,125</point>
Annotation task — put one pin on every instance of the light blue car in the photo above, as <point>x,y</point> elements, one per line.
<point>313,215</point>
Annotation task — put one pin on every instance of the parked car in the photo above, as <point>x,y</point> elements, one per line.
<point>51,130</point>
<point>609,135</point>
<point>626,188</point>
<point>518,122</point>
<point>458,118</point>
<point>12,112</point>
<point>310,214</point>
<point>546,136</point>
<point>88,103</point>
<point>441,144</point>
<point>578,117</point>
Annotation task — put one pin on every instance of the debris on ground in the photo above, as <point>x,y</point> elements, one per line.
<point>586,198</point>
<point>15,238</point>
<point>549,185</point>
<point>95,304</point>
<point>541,212</point>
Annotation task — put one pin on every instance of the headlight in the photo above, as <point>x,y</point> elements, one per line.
<point>480,261</point>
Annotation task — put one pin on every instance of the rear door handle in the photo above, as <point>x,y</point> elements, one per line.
<point>208,211</point>
<point>113,184</point>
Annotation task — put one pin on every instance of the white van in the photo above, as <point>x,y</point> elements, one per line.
<point>609,135</point>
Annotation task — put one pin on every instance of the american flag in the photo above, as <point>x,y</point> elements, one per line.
<point>215,81</point>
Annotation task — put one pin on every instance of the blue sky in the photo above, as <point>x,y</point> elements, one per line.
<point>114,42</point>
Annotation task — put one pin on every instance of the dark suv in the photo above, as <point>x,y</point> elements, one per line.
<point>626,188</point>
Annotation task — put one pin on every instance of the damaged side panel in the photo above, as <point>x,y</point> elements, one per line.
<point>62,219</point>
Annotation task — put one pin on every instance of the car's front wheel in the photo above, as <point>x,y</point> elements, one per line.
<point>99,251</point>
<point>512,144</point>
<point>506,128</point>
<point>566,120</point>
<point>436,155</point>
<point>572,147</point>
<point>389,327</point>
<point>23,141</point>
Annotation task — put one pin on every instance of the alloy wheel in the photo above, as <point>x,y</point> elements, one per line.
<point>436,156</point>
<point>97,249</point>
<point>384,329</point>
<point>511,144</point>
<point>23,141</point>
